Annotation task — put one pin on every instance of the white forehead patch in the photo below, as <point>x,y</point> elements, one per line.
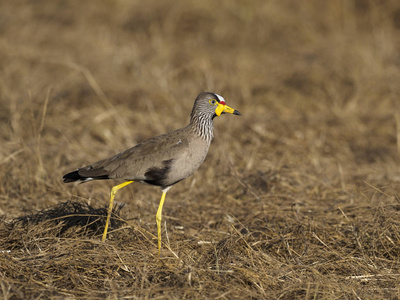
<point>220,99</point>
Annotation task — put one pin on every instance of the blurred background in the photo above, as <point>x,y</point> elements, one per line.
<point>317,83</point>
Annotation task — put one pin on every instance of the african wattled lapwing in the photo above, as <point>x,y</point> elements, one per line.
<point>163,160</point>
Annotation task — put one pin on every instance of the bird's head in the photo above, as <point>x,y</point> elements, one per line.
<point>212,105</point>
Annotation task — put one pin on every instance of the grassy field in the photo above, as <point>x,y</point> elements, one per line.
<point>297,199</point>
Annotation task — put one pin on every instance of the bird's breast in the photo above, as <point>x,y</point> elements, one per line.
<point>187,163</point>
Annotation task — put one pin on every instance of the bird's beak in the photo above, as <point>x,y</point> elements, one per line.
<point>222,108</point>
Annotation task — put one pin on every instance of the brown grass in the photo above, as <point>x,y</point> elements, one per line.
<point>298,198</point>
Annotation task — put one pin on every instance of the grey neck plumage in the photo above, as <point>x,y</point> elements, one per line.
<point>202,125</point>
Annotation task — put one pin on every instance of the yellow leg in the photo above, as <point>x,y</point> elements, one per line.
<point>158,220</point>
<point>114,191</point>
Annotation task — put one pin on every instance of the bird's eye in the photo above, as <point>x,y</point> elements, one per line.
<point>213,102</point>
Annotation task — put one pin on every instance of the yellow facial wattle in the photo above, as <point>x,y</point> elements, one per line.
<point>219,109</point>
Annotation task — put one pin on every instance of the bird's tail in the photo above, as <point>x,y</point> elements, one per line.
<point>90,175</point>
<point>74,176</point>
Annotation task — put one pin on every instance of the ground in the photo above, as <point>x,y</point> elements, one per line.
<point>297,199</point>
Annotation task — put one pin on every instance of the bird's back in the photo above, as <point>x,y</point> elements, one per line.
<point>162,160</point>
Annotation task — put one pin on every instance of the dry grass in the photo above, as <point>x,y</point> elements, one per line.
<point>298,199</point>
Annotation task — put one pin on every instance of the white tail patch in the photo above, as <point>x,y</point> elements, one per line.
<point>86,179</point>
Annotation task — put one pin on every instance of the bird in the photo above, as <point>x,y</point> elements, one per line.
<point>163,160</point>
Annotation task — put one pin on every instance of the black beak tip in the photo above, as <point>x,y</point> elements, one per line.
<point>236,112</point>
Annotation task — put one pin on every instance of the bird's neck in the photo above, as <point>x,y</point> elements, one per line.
<point>202,125</point>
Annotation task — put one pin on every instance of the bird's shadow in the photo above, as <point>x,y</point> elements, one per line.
<point>77,215</point>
